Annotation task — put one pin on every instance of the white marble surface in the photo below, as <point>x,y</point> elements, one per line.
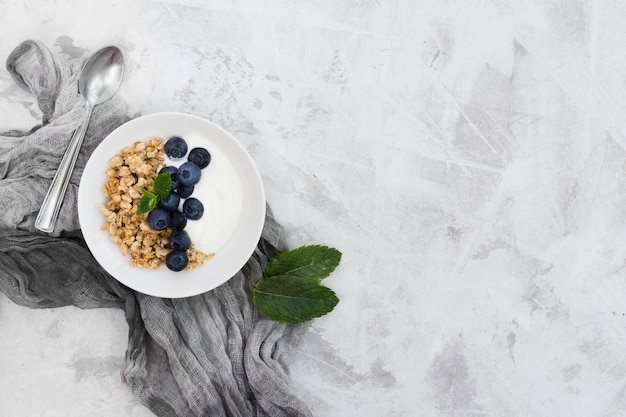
<point>467,157</point>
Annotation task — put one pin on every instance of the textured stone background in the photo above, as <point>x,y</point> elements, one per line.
<point>467,157</point>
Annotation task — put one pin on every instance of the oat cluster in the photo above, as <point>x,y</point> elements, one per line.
<point>134,168</point>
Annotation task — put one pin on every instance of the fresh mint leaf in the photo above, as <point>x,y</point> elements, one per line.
<point>147,202</point>
<point>162,187</point>
<point>148,193</point>
<point>290,290</point>
<point>314,262</point>
<point>292,299</point>
<point>163,184</point>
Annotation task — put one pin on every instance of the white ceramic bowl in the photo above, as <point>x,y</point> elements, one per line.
<point>162,282</point>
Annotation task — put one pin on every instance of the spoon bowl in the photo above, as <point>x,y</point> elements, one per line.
<point>101,75</point>
<point>98,81</point>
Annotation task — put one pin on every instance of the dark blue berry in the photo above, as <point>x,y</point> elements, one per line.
<point>170,169</point>
<point>158,219</point>
<point>176,147</point>
<point>170,202</point>
<point>184,191</point>
<point>173,174</point>
<point>189,173</point>
<point>180,240</point>
<point>193,208</point>
<point>178,221</point>
<point>175,181</point>
<point>200,157</point>
<point>176,260</point>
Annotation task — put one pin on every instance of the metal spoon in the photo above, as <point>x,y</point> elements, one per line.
<point>98,81</point>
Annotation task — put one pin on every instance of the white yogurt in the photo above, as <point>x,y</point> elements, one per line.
<point>220,192</point>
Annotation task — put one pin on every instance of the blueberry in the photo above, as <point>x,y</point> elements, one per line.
<point>184,191</point>
<point>176,260</point>
<point>176,147</point>
<point>175,181</point>
<point>200,157</point>
<point>158,219</point>
<point>173,174</point>
<point>189,173</point>
<point>180,240</point>
<point>193,208</point>
<point>170,169</point>
<point>178,220</point>
<point>170,202</point>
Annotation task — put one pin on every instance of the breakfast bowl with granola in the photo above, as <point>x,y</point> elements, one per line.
<point>171,205</point>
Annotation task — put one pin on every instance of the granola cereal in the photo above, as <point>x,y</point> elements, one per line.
<point>134,168</point>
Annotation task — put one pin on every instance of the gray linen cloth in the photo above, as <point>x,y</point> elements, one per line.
<point>208,355</point>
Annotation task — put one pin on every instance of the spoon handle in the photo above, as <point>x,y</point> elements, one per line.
<point>49,211</point>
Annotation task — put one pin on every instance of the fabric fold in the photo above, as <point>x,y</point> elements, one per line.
<point>211,354</point>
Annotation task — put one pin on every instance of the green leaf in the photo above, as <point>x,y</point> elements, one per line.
<point>147,202</point>
<point>163,184</point>
<point>292,299</point>
<point>314,262</point>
